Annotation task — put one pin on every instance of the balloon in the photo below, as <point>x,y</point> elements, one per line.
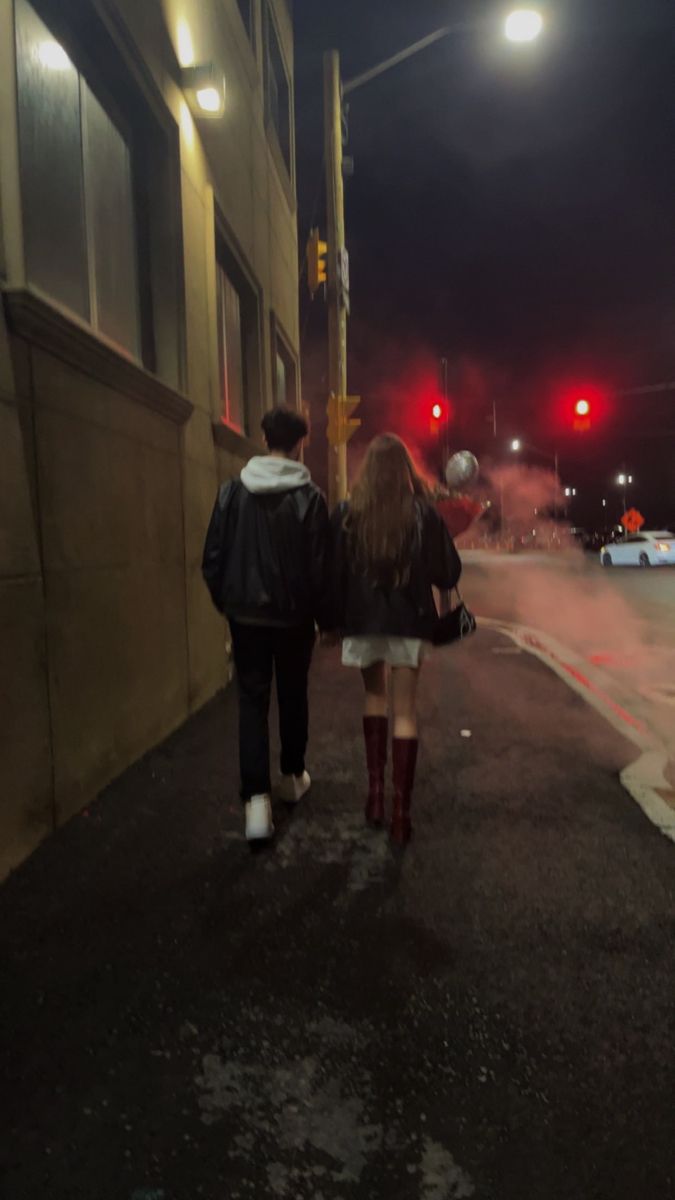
<point>462,468</point>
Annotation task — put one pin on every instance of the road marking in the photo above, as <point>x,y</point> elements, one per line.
<point>645,779</point>
<point>663,694</point>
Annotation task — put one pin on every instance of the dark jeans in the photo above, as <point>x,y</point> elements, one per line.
<point>258,651</point>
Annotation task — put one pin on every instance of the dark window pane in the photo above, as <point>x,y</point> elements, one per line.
<point>281,380</point>
<point>110,225</point>
<point>246,9</point>
<point>278,92</point>
<point>51,164</point>
<point>230,340</point>
<point>285,374</point>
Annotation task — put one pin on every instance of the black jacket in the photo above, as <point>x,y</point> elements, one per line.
<point>266,554</point>
<point>361,607</point>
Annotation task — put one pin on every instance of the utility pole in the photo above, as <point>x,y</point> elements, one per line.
<point>336,261</point>
<point>501,481</point>
<point>340,405</point>
<point>445,444</point>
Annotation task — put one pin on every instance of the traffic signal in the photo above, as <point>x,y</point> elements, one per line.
<point>316,261</point>
<point>437,412</point>
<point>582,414</point>
<point>341,424</point>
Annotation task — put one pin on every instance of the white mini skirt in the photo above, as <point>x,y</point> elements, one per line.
<point>395,651</point>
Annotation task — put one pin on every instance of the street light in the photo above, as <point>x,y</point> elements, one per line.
<point>570,491</point>
<point>518,444</point>
<point>624,481</point>
<point>522,25</point>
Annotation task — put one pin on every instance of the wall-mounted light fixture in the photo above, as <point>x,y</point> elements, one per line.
<point>204,88</point>
<point>52,55</point>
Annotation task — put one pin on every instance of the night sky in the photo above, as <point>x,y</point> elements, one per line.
<point>512,208</point>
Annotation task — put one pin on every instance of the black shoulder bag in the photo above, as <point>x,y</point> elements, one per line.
<point>455,625</point>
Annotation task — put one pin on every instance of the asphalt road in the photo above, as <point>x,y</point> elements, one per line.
<point>650,595</point>
<point>488,1015</point>
<point>621,621</point>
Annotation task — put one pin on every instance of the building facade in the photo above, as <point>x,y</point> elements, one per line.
<point>149,287</point>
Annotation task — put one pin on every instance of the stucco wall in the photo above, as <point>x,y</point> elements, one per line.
<point>108,639</point>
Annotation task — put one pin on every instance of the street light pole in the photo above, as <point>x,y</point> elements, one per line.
<point>445,448</point>
<point>523,25</point>
<point>337,307</point>
<point>517,445</point>
<point>624,480</point>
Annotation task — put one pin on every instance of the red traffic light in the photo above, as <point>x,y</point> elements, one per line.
<point>581,407</point>
<point>582,415</point>
<point>437,412</point>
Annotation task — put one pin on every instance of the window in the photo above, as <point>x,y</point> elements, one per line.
<point>277,90</point>
<point>238,340</point>
<point>246,11</point>
<point>77,188</point>
<point>285,373</point>
<point>100,182</point>
<point>231,354</point>
<point>281,381</point>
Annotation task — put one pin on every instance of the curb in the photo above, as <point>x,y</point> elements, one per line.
<point>645,779</point>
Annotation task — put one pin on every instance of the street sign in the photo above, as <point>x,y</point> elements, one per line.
<point>341,424</point>
<point>632,520</point>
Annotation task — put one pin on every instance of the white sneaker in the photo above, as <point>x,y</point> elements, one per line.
<point>293,787</point>
<point>259,825</point>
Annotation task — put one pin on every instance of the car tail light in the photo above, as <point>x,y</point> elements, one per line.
<point>663,547</point>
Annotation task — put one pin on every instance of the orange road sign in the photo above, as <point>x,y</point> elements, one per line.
<point>632,520</point>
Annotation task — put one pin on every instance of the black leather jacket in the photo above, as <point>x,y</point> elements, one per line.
<point>361,607</point>
<point>266,555</point>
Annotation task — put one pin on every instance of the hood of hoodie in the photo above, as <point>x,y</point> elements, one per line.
<point>265,474</point>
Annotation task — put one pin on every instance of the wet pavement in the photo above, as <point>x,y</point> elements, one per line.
<point>489,1014</point>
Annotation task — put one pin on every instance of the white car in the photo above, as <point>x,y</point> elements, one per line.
<point>646,549</point>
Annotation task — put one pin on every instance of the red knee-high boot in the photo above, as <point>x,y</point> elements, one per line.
<point>404,755</point>
<point>375,736</point>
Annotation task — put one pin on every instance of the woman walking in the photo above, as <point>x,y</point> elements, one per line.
<point>390,548</point>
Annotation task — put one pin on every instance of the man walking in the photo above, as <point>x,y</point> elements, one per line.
<point>265,564</point>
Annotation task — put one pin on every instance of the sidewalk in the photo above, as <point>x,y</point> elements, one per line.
<point>489,1015</point>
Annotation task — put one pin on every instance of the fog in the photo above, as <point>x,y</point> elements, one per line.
<point>610,618</point>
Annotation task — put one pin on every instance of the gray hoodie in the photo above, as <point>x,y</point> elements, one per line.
<point>266,474</point>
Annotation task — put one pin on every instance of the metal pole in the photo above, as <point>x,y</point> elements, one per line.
<point>352,84</point>
<point>337,312</point>
<point>445,450</point>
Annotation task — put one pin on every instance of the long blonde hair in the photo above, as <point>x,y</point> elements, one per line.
<point>382,519</point>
